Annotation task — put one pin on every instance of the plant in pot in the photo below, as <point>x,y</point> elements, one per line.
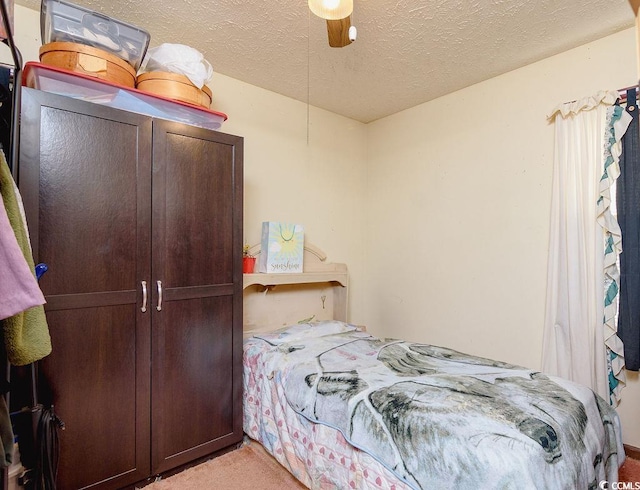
<point>248,260</point>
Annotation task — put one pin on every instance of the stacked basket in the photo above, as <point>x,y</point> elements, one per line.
<point>174,86</point>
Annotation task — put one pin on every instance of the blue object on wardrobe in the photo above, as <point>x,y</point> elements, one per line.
<point>41,268</point>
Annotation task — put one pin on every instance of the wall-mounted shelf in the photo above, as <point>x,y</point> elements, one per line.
<point>267,280</point>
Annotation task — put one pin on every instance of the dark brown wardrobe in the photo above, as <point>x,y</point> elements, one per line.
<point>140,223</point>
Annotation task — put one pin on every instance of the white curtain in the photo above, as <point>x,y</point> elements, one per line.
<point>574,331</point>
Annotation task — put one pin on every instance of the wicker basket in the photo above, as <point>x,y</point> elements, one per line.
<point>88,60</point>
<point>174,86</point>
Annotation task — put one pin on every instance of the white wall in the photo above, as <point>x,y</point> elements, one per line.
<point>26,35</point>
<point>441,211</point>
<point>319,183</point>
<point>459,199</point>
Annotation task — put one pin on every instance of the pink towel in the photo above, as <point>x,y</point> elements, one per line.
<point>19,289</point>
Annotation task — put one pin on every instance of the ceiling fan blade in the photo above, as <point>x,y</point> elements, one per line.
<point>338,31</point>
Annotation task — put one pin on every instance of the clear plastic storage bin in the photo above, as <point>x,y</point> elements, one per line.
<point>83,87</point>
<point>66,22</point>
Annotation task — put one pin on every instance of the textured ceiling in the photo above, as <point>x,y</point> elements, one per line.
<point>407,51</point>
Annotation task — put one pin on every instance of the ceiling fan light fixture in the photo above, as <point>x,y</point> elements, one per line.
<point>331,9</point>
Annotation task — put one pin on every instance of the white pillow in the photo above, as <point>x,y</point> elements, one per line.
<point>310,330</point>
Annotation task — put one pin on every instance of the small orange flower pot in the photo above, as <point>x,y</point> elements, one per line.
<point>248,264</point>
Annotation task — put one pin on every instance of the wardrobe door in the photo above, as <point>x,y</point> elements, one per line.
<point>197,296</point>
<point>84,175</point>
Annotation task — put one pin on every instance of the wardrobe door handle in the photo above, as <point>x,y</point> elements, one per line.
<point>159,307</point>
<point>144,297</point>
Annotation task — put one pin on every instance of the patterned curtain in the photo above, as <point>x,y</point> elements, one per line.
<point>617,125</point>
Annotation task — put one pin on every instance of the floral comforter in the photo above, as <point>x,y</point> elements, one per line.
<point>433,417</point>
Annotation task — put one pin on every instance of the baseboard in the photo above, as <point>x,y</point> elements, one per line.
<point>632,452</point>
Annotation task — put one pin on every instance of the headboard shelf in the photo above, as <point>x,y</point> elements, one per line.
<point>266,280</point>
<point>272,300</point>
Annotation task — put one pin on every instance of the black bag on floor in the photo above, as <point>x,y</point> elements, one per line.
<point>37,431</point>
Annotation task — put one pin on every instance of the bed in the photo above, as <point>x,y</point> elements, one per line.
<point>340,408</point>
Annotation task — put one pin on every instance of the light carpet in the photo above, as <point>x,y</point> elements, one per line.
<point>248,468</point>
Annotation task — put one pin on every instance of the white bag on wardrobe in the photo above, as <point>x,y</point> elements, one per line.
<point>180,59</point>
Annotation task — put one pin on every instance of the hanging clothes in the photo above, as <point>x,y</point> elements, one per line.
<point>26,334</point>
<point>628,206</point>
<point>19,289</point>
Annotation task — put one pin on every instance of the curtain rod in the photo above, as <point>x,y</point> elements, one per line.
<point>623,92</point>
